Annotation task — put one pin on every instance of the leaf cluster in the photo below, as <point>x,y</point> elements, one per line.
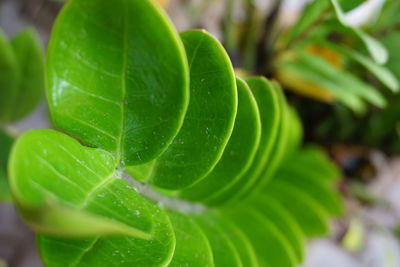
<point>133,100</point>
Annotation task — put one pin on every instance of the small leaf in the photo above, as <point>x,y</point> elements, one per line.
<point>242,244</point>
<point>270,245</point>
<point>192,246</point>
<point>125,87</point>
<point>29,55</point>
<point>5,147</point>
<point>310,215</point>
<point>224,252</point>
<point>8,79</point>
<point>238,154</point>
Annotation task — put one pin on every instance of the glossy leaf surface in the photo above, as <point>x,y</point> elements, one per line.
<point>52,176</point>
<point>238,154</point>
<point>268,100</point>
<point>126,86</point>
<point>209,120</point>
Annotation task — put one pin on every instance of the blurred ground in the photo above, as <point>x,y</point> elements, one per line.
<point>366,236</point>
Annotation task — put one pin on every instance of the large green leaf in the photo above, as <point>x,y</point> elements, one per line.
<point>117,77</point>
<point>65,189</point>
<point>29,56</point>
<point>209,120</point>
<point>238,154</point>
<point>8,78</point>
<point>52,175</point>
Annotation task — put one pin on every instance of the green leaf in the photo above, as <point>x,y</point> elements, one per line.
<point>343,84</point>
<point>117,77</point>
<point>224,252</point>
<point>5,147</point>
<point>310,216</point>
<point>271,247</point>
<point>311,13</point>
<point>381,72</point>
<point>374,47</point>
<point>8,79</point>
<point>192,246</point>
<point>52,175</point>
<point>209,120</point>
<point>241,242</point>
<point>283,221</point>
<point>29,56</point>
<point>348,5</point>
<point>280,150</point>
<point>268,99</point>
<point>65,189</point>
<point>315,159</point>
<point>239,153</point>
<point>319,191</point>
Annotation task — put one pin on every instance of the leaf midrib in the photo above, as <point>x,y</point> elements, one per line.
<point>121,138</point>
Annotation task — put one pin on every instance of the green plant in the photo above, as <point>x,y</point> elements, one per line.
<point>134,97</point>
<point>22,86</point>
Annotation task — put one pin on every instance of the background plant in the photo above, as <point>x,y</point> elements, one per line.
<point>22,87</point>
